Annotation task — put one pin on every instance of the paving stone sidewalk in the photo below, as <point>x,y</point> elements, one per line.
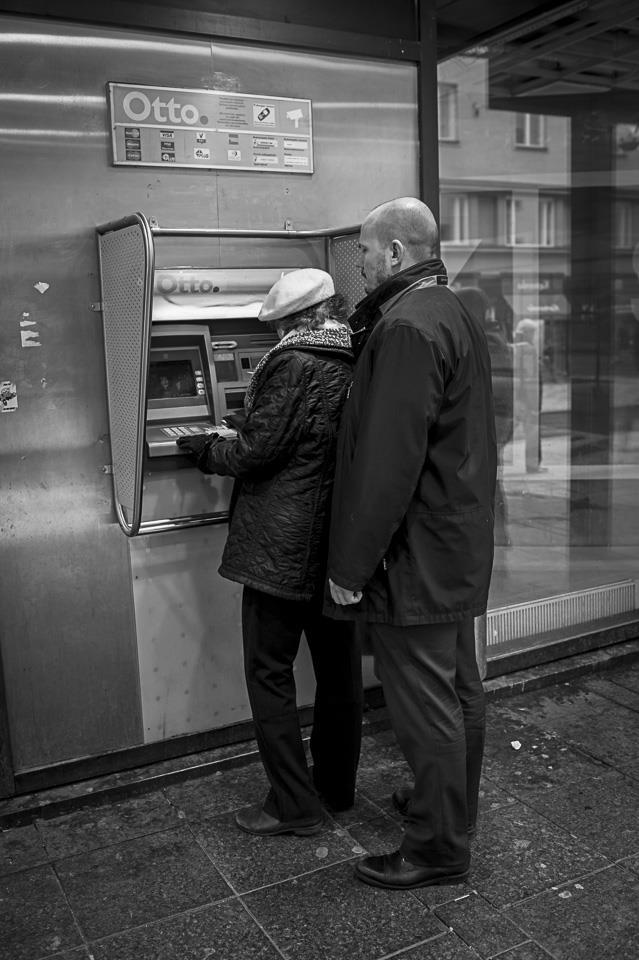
<point>167,876</point>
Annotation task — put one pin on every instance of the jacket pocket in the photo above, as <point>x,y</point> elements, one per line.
<point>440,562</point>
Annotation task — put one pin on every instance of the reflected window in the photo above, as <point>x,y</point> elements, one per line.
<point>447,110</point>
<point>547,223</point>
<point>455,219</point>
<point>530,130</point>
<point>487,207</point>
<point>623,224</point>
<point>554,206</point>
<point>514,222</point>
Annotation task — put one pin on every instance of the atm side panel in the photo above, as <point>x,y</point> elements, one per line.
<point>188,621</point>
<point>188,617</point>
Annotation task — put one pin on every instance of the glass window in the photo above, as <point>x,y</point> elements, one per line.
<point>547,232</point>
<point>447,106</point>
<point>623,223</point>
<point>557,256</point>
<point>487,207</point>
<point>455,219</point>
<point>530,130</point>
<point>514,220</point>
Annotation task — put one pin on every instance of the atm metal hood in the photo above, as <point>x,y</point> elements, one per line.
<point>195,293</point>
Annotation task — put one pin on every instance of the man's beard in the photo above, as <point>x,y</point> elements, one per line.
<point>375,278</point>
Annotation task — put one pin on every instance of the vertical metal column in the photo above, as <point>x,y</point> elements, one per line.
<point>126,255</point>
<point>592,322</point>
<point>7,787</point>
<point>428,107</point>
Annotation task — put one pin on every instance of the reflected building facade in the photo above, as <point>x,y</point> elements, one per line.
<point>539,209</point>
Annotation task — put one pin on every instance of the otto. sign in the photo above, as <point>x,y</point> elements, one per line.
<point>169,281</point>
<point>215,129</point>
<point>139,107</point>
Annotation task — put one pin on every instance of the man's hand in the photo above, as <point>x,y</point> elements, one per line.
<point>342,596</point>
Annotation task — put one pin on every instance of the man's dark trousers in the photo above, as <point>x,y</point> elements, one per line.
<point>272,629</point>
<point>436,705</point>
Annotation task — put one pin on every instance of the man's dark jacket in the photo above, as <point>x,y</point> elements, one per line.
<point>413,502</point>
<point>284,459</point>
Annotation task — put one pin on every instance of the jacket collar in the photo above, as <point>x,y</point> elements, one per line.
<point>328,338</point>
<point>369,310</point>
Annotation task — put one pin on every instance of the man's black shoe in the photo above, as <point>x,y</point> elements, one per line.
<point>257,821</point>
<point>401,801</point>
<point>393,872</point>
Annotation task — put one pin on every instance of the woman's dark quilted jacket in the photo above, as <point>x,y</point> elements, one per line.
<point>284,462</point>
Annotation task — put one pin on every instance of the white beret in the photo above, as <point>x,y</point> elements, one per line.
<point>296,291</point>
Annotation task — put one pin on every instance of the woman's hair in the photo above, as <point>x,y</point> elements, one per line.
<point>312,318</point>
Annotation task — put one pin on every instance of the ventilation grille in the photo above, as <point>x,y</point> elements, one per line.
<point>123,270</point>
<point>344,265</point>
<point>557,613</point>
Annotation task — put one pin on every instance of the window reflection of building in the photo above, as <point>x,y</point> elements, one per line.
<point>455,218</point>
<point>514,217</point>
<point>447,97</point>
<point>530,130</point>
<point>552,186</point>
<point>547,231</point>
<point>623,223</point>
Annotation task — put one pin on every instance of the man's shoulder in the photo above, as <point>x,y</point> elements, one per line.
<point>419,308</point>
<point>418,300</point>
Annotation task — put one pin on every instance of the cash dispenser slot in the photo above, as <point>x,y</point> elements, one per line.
<point>234,363</point>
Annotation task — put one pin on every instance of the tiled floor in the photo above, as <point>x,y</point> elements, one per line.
<point>167,876</point>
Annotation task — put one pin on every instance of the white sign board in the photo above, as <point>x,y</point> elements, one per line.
<point>166,126</point>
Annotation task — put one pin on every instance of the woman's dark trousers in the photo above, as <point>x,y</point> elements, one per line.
<point>435,700</point>
<point>272,629</point>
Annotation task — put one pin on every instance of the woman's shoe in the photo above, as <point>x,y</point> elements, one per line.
<point>257,821</point>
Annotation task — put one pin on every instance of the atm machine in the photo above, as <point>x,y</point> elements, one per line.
<point>179,388</point>
<point>181,345</point>
<point>205,342</point>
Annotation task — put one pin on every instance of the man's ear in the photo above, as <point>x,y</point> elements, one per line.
<point>397,253</point>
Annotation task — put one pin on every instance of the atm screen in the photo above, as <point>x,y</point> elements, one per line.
<point>171,380</point>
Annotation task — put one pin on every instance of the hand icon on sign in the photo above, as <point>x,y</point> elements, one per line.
<point>295,116</point>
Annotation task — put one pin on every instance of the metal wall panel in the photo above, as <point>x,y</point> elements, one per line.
<point>69,640</point>
<point>190,680</point>
<point>365,133</point>
<point>81,662</point>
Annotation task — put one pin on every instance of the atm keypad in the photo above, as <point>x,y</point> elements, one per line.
<point>186,430</point>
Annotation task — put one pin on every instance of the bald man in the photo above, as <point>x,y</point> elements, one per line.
<point>411,543</point>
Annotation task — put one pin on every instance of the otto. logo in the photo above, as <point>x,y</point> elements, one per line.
<point>185,284</point>
<point>138,107</point>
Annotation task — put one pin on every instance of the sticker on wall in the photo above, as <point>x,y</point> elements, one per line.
<point>29,338</point>
<point>8,397</point>
<point>295,116</point>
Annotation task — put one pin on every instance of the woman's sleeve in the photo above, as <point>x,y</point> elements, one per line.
<point>272,429</point>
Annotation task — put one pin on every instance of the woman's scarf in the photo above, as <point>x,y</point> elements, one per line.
<point>326,338</point>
